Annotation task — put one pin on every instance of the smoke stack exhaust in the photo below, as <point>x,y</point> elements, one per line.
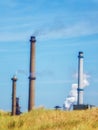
<point>14,79</point>
<point>32,74</point>
<point>80,79</point>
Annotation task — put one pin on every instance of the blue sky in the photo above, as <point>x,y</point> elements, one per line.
<point>62,29</point>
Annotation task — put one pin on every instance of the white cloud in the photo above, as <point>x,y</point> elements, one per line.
<point>11,37</point>
<point>76,30</point>
<point>8,3</point>
<point>54,82</point>
<point>73,30</point>
<point>94,1</point>
<point>51,25</point>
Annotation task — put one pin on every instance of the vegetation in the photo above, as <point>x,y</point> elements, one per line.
<point>41,119</point>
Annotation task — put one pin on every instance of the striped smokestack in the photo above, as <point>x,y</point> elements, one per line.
<point>14,79</point>
<point>80,78</point>
<point>32,74</point>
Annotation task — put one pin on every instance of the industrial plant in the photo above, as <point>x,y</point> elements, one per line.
<point>75,100</point>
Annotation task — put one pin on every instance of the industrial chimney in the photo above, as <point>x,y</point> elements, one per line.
<point>80,79</point>
<point>80,90</point>
<point>14,79</point>
<point>32,74</point>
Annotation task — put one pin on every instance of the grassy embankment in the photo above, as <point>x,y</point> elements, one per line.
<point>41,119</point>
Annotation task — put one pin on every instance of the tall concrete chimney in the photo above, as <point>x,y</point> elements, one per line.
<point>14,79</point>
<point>80,79</point>
<point>32,74</point>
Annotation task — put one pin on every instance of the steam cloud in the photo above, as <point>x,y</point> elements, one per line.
<point>72,97</point>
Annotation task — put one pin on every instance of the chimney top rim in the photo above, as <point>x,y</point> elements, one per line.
<point>33,39</point>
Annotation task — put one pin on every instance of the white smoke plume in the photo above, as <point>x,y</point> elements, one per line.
<point>72,97</point>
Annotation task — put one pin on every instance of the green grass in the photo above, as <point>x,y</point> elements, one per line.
<point>41,119</point>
